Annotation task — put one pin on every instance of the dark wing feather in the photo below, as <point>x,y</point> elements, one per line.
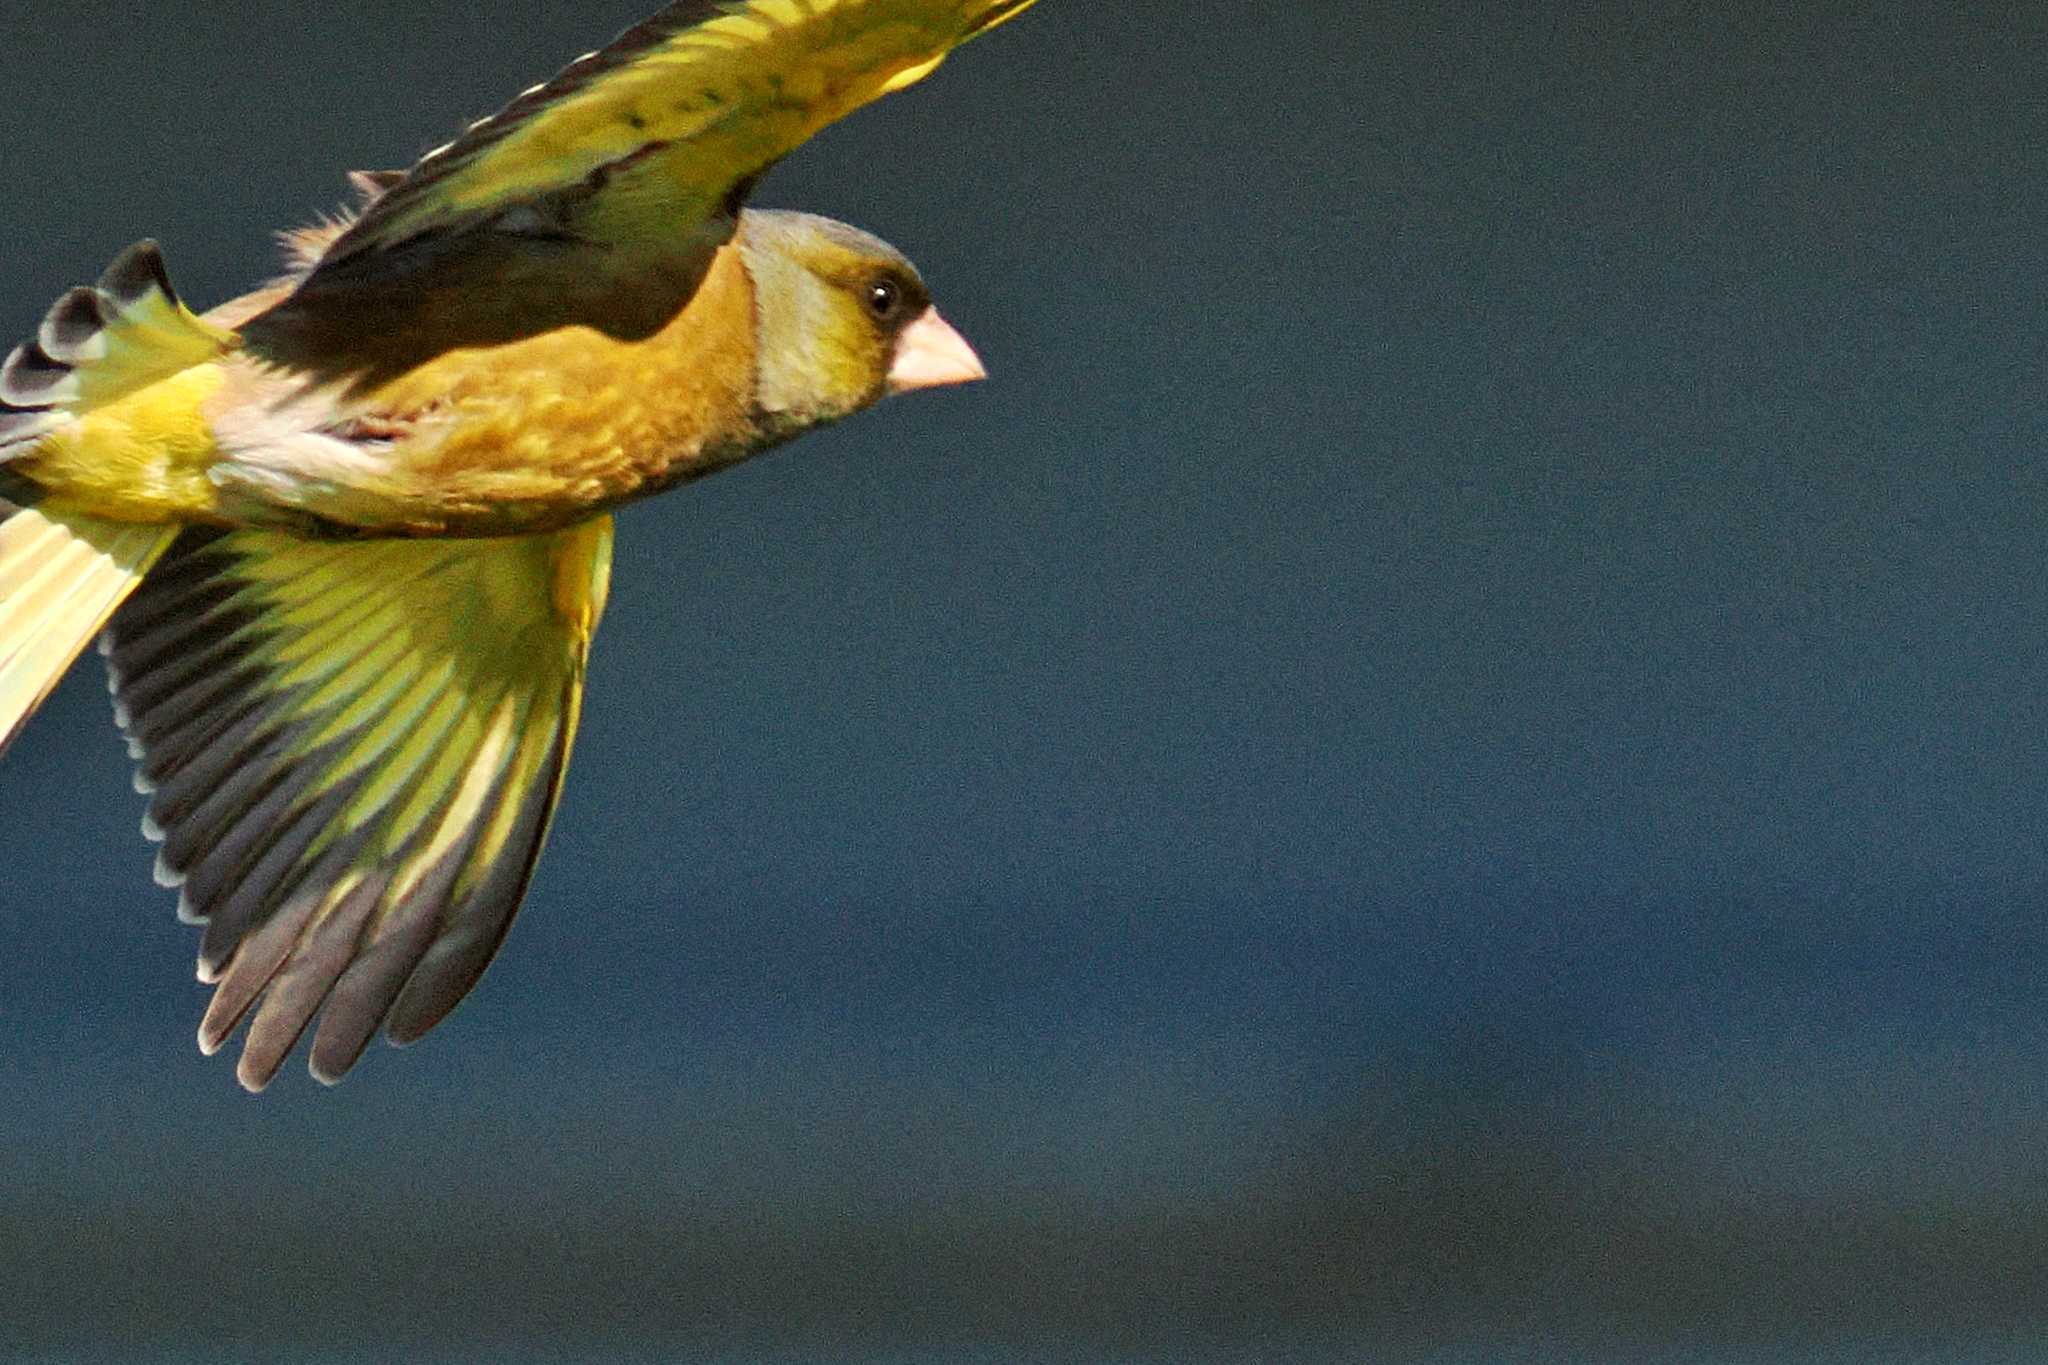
<point>600,197</point>
<point>353,752</point>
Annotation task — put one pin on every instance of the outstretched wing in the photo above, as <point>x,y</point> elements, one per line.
<point>600,197</point>
<point>354,750</point>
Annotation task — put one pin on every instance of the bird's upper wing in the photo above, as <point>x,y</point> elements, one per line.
<point>354,750</point>
<point>600,196</point>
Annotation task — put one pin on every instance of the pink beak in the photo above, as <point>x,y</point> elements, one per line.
<point>930,354</point>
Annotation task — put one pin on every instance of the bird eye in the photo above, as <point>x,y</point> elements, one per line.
<point>884,298</point>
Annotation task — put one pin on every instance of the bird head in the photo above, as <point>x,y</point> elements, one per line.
<point>842,320</point>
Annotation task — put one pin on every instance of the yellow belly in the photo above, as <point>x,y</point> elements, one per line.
<point>141,458</point>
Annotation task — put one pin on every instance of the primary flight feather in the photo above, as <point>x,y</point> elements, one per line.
<point>344,541</point>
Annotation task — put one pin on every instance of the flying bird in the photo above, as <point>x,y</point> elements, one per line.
<point>344,542</point>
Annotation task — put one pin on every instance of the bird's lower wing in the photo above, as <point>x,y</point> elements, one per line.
<point>354,750</point>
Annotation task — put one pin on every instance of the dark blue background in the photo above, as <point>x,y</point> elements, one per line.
<point>1449,755</point>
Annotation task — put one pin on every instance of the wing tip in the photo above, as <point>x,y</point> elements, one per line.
<point>254,1074</point>
<point>211,1040</point>
<point>330,1065</point>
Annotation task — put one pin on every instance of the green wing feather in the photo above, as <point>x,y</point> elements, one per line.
<point>600,196</point>
<point>354,751</point>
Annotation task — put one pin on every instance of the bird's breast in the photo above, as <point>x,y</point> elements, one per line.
<point>546,431</point>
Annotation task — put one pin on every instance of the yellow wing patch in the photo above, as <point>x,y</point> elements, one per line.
<point>708,96</point>
<point>597,197</point>
<point>354,751</point>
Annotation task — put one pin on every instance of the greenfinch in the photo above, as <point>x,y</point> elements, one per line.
<point>345,541</point>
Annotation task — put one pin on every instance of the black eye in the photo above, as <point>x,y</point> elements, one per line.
<point>885,299</point>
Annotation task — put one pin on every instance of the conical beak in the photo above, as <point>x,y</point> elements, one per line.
<point>930,354</point>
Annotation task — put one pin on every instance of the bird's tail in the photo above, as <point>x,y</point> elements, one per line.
<point>61,577</point>
<point>98,344</point>
<point>62,571</point>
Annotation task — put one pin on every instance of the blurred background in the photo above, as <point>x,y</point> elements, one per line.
<point>1447,765</point>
